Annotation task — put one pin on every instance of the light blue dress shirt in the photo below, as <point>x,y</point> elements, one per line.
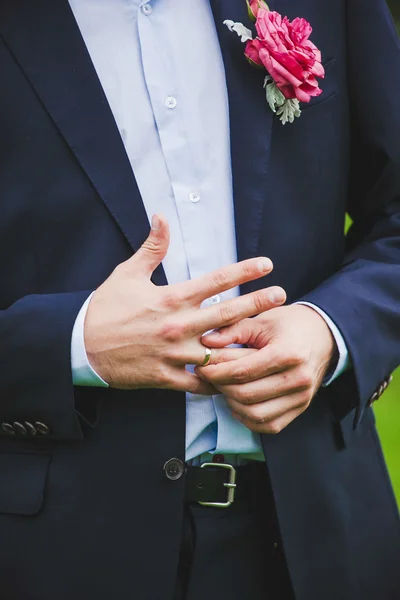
<point>160,66</point>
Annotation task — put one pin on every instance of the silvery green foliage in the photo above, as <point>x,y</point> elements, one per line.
<point>286,109</point>
<point>289,111</point>
<point>275,98</point>
<point>242,31</point>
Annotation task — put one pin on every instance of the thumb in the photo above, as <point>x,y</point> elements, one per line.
<point>153,251</point>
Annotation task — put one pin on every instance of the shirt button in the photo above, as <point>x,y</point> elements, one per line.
<point>146,9</point>
<point>171,102</point>
<point>174,469</point>
<point>215,299</point>
<point>218,458</point>
<point>194,198</point>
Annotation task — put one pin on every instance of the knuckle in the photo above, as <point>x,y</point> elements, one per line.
<point>172,300</point>
<point>305,379</point>
<point>274,428</point>
<point>306,400</point>
<point>276,360</point>
<point>163,375</point>
<point>220,278</point>
<point>303,401</point>
<point>258,419</point>
<point>151,245</point>
<point>197,387</point>
<point>303,407</point>
<point>227,312</point>
<point>172,331</point>
<point>259,301</point>
<point>297,356</point>
<point>241,375</point>
<point>247,397</point>
<point>247,269</point>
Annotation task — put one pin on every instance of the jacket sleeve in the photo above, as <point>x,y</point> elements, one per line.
<point>363,297</point>
<point>35,366</point>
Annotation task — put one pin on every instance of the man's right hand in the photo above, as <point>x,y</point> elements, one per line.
<point>138,335</point>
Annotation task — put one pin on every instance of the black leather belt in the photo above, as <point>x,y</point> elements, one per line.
<point>219,485</point>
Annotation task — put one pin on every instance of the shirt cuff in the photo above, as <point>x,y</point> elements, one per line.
<point>82,372</point>
<point>344,360</point>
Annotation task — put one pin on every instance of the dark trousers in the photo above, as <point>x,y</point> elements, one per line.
<point>233,553</point>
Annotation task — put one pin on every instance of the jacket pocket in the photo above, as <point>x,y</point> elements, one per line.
<point>328,85</point>
<point>22,482</point>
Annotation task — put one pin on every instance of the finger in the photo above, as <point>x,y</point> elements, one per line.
<point>271,427</point>
<point>262,390</point>
<point>225,355</point>
<point>271,410</point>
<point>153,250</point>
<point>198,353</point>
<point>271,365</point>
<point>224,279</point>
<point>184,381</point>
<point>242,332</point>
<point>231,311</point>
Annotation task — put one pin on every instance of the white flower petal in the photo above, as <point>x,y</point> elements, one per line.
<point>242,31</point>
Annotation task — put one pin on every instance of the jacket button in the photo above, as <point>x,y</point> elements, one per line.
<point>42,428</point>
<point>373,399</point>
<point>19,428</point>
<point>8,428</point>
<point>30,428</point>
<point>174,469</point>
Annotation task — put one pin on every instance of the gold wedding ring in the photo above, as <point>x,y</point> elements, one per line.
<point>207,357</point>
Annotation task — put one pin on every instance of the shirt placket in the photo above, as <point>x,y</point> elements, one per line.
<point>163,88</point>
<point>191,203</point>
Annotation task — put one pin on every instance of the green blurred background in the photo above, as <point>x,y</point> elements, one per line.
<point>387,409</point>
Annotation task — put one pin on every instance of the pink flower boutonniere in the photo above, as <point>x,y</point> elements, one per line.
<point>284,49</point>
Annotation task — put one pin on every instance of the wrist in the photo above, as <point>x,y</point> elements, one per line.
<point>320,330</point>
<point>92,345</point>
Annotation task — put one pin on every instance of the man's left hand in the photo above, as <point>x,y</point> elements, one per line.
<point>270,387</point>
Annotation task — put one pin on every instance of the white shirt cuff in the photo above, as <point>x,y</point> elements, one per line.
<point>82,372</point>
<point>344,361</point>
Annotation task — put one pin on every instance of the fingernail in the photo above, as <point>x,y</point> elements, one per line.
<point>278,296</point>
<point>215,333</point>
<point>265,265</point>
<point>155,223</point>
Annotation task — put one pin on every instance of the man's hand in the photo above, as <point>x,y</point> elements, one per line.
<point>138,335</point>
<point>271,387</point>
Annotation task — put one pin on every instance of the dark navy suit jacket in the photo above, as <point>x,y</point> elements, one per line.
<point>86,511</point>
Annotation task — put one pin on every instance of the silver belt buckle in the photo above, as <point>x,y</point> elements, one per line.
<point>230,485</point>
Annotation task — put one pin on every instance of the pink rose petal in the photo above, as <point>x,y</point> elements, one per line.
<point>287,53</point>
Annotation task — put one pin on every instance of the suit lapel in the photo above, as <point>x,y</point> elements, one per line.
<point>250,126</point>
<point>46,42</point>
